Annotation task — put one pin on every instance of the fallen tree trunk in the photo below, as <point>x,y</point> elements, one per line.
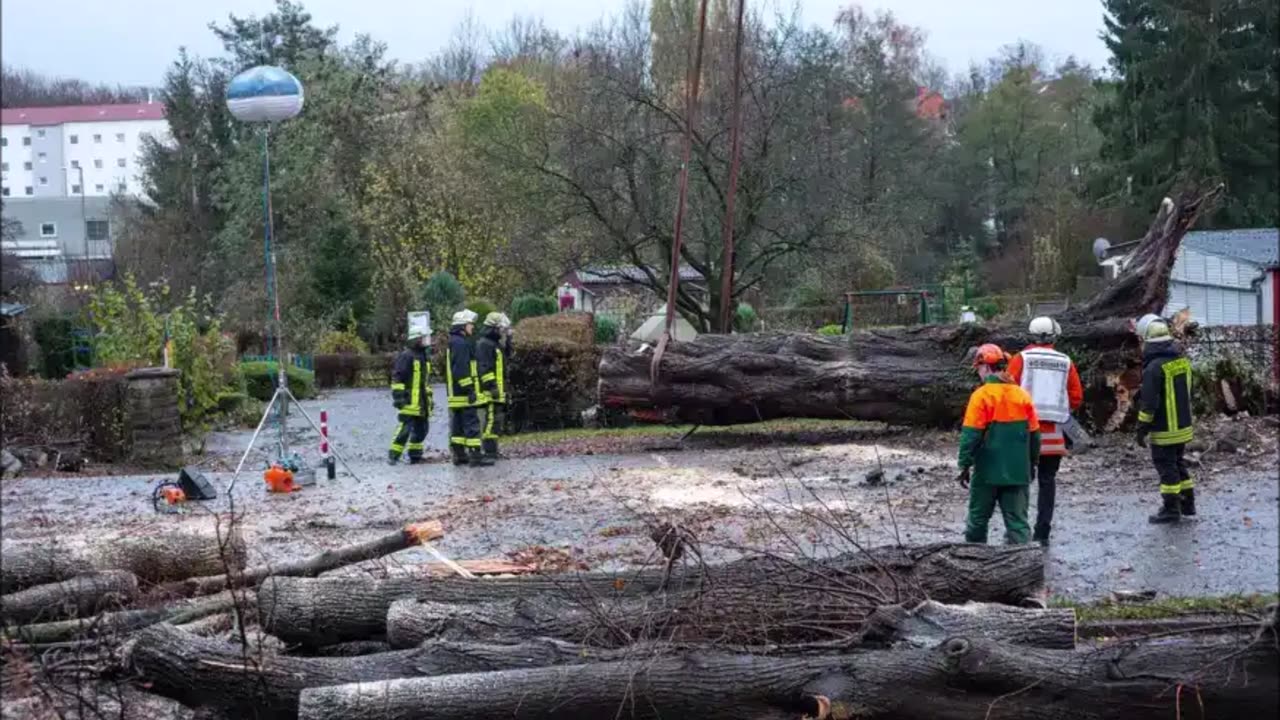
<point>205,672</point>
<point>328,610</point>
<point>907,376</point>
<point>153,558</point>
<point>116,624</point>
<point>312,566</point>
<point>201,671</point>
<point>960,679</point>
<point>725,617</point>
<point>77,597</point>
<point>930,623</point>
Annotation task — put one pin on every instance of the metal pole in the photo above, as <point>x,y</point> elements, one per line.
<point>273,294</point>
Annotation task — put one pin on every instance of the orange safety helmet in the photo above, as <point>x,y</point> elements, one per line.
<point>990,354</point>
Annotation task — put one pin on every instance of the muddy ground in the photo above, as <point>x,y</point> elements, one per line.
<point>587,501</point>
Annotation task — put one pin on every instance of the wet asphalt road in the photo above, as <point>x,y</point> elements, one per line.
<point>595,508</point>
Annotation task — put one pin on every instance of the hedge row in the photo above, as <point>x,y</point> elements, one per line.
<point>87,410</point>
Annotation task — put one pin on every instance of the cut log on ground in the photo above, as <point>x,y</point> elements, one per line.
<point>77,597</point>
<point>906,376</point>
<point>725,617</point>
<point>930,623</point>
<point>312,566</point>
<point>154,558</point>
<point>329,610</point>
<point>960,679</point>
<point>205,672</point>
<point>115,624</point>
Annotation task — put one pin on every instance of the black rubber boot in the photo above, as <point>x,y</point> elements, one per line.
<point>1170,511</point>
<point>490,448</point>
<point>415,459</point>
<point>1187,499</point>
<point>475,457</point>
<point>393,457</point>
<point>459,454</point>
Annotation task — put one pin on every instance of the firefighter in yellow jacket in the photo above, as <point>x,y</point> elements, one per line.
<point>493,348</point>
<point>1164,418</point>
<point>411,395</point>
<point>999,450</point>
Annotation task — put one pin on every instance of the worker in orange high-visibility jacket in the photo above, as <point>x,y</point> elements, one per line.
<point>999,449</point>
<point>1053,383</point>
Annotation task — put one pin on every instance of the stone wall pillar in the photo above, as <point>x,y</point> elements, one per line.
<point>151,410</point>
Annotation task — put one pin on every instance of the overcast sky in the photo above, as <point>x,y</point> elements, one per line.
<point>133,41</point>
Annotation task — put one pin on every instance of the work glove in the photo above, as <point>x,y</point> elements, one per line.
<point>1141,436</point>
<point>963,478</point>
<point>471,396</point>
<point>398,399</point>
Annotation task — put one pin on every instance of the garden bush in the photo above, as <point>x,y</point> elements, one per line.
<point>481,308</point>
<point>831,330</point>
<point>442,295</point>
<point>57,351</point>
<point>606,330</point>
<point>260,380</point>
<point>745,319</point>
<point>527,306</point>
<point>87,411</point>
<point>343,370</point>
<point>341,342</point>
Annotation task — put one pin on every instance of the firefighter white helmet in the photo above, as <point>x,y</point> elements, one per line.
<point>497,319</point>
<point>1140,325</point>
<point>1044,329</point>
<point>463,317</point>
<point>1156,330</point>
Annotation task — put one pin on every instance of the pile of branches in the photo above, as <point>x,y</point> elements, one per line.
<point>937,631</point>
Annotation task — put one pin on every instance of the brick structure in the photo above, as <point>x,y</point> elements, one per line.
<point>155,424</point>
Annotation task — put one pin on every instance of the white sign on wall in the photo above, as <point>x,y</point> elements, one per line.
<point>420,322</point>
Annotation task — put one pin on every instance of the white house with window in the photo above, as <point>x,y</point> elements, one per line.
<point>59,168</point>
<point>1224,277</point>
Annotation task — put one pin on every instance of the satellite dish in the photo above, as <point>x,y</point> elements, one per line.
<point>1100,248</point>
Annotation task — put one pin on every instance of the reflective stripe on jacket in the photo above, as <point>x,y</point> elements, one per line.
<point>1050,378</point>
<point>460,370</point>
<point>411,383</point>
<point>1165,400</point>
<point>1001,435</point>
<point>490,364</point>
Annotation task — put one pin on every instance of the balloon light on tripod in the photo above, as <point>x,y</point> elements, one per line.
<point>264,94</point>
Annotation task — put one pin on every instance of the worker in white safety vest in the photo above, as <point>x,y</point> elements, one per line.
<point>1053,383</point>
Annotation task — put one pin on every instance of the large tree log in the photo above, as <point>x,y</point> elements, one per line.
<point>328,610</point>
<point>909,376</point>
<point>960,679</point>
<point>310,567</point>
<point>724,617</point>
<point>154,558</point>
<point>114,625</point>
<point>201,671</point>
<point>79,596</point>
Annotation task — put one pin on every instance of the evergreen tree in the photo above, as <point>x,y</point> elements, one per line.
<point>1196,101</point>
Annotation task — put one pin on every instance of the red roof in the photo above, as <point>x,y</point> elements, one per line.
<point>81,113</point>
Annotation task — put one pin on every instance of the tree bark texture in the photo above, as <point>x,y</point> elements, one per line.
<point>907,376</point>
<point>77,597</point>
<point>125,621</point>
<point>154,558</point>
<point>312,566</point>
<point>930,623</point>
<point>315,612</point>
<point>724,617</point>
<point>959,679</point>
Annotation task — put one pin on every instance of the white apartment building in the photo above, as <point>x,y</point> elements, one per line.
<point>59,167</point>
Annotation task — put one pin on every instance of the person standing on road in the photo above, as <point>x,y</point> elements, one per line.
<point>999,450</point>
<point>411,395</point>
<point>464,392</point>
<point>1164,415</point>
<point>492,350</point>
<point>1053,383</point>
